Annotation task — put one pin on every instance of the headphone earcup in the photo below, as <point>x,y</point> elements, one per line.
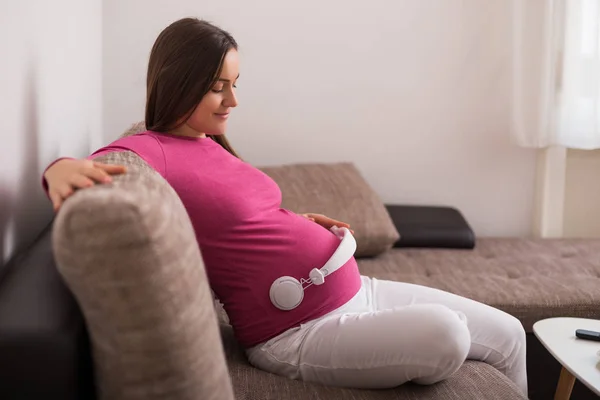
<point>286,293</point>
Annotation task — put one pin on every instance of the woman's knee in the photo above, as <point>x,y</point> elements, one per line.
<point>506,328</point>
<point>512,337</point>
<point>451,329</point>
<point>515,328</point>
<point>448,341</point>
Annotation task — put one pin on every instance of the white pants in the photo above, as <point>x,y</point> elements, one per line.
<point>394,332</point>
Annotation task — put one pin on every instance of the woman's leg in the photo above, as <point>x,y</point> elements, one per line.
<point>359,346</point>
<point>497,338</point>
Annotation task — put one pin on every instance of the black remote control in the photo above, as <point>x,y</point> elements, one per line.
<point>587,335</point>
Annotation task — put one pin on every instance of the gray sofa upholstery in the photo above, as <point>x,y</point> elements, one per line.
<point>128,253</point>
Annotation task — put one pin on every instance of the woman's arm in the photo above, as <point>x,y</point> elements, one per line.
<point>66,175</point>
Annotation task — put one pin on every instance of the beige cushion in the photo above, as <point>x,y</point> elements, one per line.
<point>128,253</point>
<point>340,192</point>
<point>531,279</point>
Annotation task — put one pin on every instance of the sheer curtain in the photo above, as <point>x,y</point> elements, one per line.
<point>556,73</point>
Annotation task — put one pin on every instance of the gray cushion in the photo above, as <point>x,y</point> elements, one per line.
<point>339,191</point>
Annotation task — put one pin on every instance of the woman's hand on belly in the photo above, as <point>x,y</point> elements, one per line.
<point>326,222</point>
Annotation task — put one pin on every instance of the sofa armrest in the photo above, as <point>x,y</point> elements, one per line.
<point>433,227</point>
<point>44,349</point>
<point>128,252</point>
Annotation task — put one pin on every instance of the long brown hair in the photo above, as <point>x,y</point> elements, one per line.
<point>185,62</point>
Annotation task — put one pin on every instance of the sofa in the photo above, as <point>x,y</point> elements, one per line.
<point>112,301</point>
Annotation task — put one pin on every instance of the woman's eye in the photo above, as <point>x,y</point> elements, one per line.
<point>221,88</point>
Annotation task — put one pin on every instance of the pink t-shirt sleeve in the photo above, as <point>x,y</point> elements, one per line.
<point>146,146</point>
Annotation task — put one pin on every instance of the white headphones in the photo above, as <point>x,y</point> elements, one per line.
<point>287,292</point>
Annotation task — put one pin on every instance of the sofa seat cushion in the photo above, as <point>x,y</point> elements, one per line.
<point>473,381</point>
<point>531,279</point>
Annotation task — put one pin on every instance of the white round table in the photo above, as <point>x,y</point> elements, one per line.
<point>578,357</point>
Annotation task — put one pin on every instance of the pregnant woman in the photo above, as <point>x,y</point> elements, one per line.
<point>324,323</point>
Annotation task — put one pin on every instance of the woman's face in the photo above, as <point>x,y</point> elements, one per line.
<point>211,114</point>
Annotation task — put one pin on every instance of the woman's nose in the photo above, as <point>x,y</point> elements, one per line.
<point>231,100</point>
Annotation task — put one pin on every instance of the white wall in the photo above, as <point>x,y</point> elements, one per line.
<point>416,93</point>
<point>50,100</point>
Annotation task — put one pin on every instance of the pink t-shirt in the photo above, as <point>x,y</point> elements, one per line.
<point>247,240</point>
